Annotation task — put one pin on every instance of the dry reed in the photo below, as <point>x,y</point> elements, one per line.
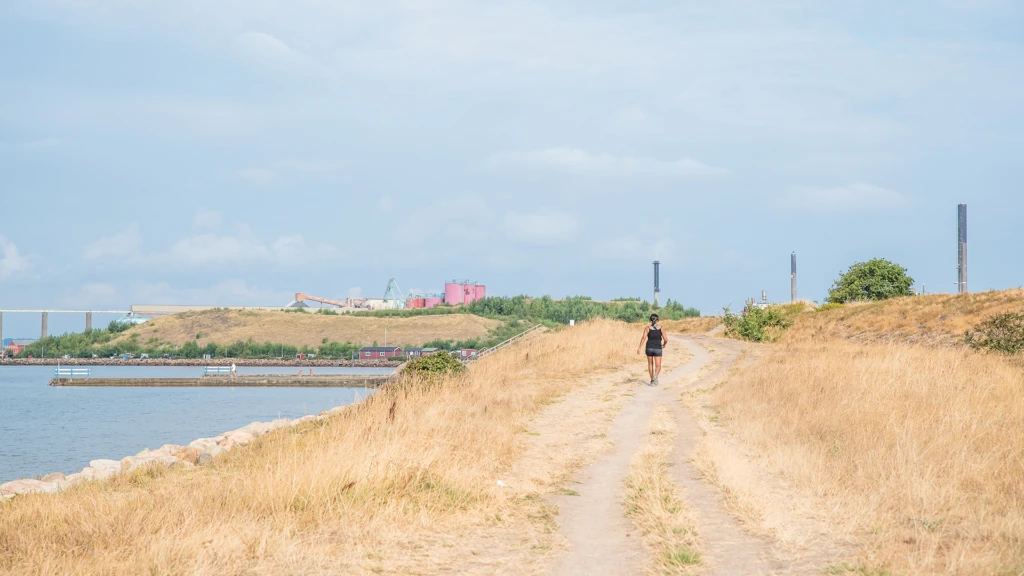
<point>917,453</point>
<point>379,487</point>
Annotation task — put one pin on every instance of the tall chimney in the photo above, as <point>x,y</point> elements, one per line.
<point>792,278</point>
<point>961,220</point>
<point>657,282</point>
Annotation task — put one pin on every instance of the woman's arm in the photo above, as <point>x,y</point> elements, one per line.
<point>664,338</point>
<point>642,339</point>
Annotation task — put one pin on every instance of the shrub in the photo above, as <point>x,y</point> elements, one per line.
<point>829,306</point>
<point>116,326</point>
<point>1003,333</point>
<point>439,364</point>
<point>755,323</point>
<point>876,279</point>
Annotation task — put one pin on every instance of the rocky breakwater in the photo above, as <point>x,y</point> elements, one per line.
<point>197,453</point>
<point>272,362</point>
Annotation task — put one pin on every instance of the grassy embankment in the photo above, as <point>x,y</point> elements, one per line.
<point>406,480</point>
<point>916,453</point>
<point>224,327</point>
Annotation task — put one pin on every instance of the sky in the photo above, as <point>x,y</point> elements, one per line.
<point>235,152</point>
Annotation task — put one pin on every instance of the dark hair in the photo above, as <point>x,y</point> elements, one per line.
<point>654,317</point>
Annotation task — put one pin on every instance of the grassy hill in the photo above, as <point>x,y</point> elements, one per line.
<point>931,320</point>
<point>229,326</point>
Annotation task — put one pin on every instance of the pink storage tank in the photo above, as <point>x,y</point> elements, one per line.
<point>416,303</point>
<point>468,293</point>
<point>431,302</point>
<point>481,292</point>
<point>453,294</point>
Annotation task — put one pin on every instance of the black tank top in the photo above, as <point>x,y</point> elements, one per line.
<point>654,338</point>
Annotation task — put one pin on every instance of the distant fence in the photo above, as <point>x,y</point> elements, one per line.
<point>71,372</point>
<point>217,370</point>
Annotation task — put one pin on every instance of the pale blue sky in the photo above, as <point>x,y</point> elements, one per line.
<point>236,152</point>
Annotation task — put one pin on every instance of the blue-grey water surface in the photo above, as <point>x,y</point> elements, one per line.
<point>47,429</point>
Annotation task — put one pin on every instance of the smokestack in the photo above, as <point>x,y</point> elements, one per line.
<point>657,282</point>
<point>792,278</point>
<point>961,220</point>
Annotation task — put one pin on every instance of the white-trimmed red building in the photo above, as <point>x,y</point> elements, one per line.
<point>379,352</point>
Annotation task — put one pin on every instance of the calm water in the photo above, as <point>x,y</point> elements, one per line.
<point>47,429</point>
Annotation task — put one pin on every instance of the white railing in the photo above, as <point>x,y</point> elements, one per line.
<point>71,372</point>
<point>217,370</point>
<point>511,340</point>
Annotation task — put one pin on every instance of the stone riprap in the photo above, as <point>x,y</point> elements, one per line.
<point>199,452</point>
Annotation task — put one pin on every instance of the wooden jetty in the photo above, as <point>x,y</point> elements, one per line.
<point>238,381</point>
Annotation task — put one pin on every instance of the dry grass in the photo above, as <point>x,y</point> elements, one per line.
<point>405,481</point>
<point>691,325</point>
<point>655,504</point>
<point>936,320</point>
<point>230,326</point>
<point>916,453</point>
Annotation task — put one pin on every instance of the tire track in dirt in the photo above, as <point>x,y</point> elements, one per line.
<point>602,541</point>
<point>728,548</point>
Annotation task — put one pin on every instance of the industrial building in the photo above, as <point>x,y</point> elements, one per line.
<point>456,293</point>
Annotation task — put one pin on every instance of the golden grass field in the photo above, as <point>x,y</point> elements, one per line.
<point>403,481</point>
<point>914,453</point>
<point>691,325</point>
<point>933,320</point>
<point>230,326</point>
<point>867,428</point>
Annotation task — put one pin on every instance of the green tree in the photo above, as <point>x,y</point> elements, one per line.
<point>876,279</point>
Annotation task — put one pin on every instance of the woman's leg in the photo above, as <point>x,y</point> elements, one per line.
<point>657,367</point>
<point>650,366</point>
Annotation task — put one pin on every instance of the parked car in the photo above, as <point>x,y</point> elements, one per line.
<point>143,355</point>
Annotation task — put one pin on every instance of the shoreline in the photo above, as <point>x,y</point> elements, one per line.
<point>240,381</point>
<point>262,362</point>
<point>197,453</point>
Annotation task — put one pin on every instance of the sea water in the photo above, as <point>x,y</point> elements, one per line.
<point>46,429</point>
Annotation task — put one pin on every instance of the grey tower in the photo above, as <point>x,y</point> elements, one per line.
<point>961,239</point>
<point>792,278</point>
<point>657,281</point>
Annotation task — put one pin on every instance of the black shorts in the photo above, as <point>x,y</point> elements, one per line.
<point>654,351</point>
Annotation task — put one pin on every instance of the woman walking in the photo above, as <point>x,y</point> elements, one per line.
<point>656,342</point>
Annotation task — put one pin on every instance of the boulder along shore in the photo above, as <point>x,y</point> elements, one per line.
<point>324,362</point>
<point>198,453</point>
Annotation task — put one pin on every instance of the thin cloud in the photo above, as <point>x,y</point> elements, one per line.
<point>125,245</point>
<point>858,197</point>
<point>580,162</point>
<point>542,228</point>
<point>11,259</point>
<point>632,248</point>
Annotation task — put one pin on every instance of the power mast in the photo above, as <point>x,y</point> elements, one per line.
<point>393,297</point>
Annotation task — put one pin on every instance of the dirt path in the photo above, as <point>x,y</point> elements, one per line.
<point>728,548</point>
<point>602,541</point>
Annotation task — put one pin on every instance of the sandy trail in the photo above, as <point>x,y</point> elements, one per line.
<point>602,541</point>
<point>728,548</point>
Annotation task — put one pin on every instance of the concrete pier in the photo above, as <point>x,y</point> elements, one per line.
<point>227,381</point>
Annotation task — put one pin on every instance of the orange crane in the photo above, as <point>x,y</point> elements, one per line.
<point>299,297</point>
